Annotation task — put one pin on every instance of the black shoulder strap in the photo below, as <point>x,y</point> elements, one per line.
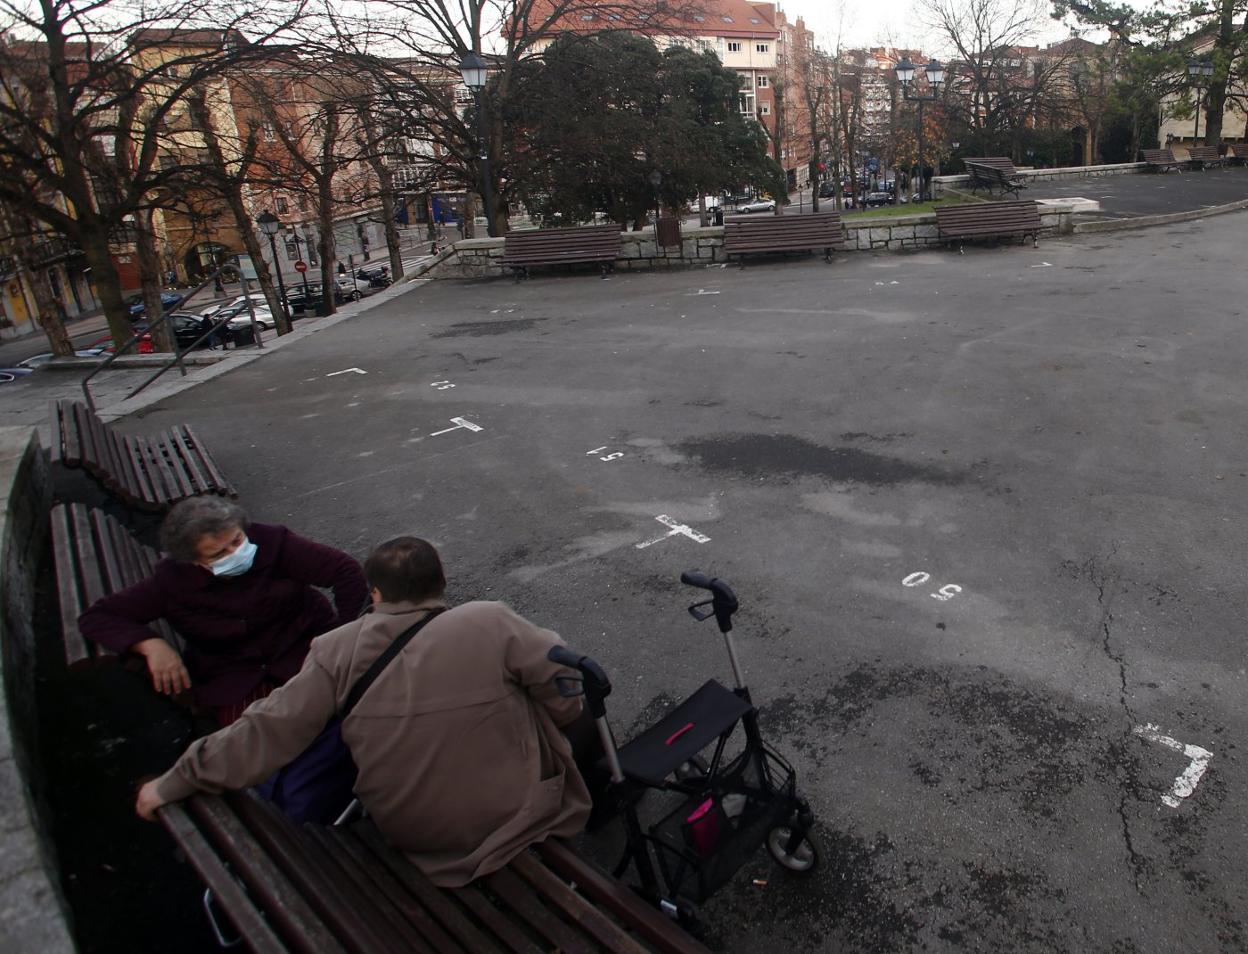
<point>380,663</point>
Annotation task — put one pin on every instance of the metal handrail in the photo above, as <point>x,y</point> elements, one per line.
<point>178,353</point>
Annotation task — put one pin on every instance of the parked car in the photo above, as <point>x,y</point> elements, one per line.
<point>876,199</point>
<point>827,190</point>
<point>758,205</point>
<point>344,291</point>
<point>264,320</point>
<point>377,276</point>
<point>169,300</point>
<point>738,198</point>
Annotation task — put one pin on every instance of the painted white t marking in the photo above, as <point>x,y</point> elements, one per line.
<point>459,422</point>
<point>334,374</point>
<point>678,529</point>
<point>1186,783</point>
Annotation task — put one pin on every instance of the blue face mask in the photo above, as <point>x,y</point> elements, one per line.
<point>236,563</point>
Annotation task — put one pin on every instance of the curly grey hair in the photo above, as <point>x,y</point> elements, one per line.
<point>193,519</point>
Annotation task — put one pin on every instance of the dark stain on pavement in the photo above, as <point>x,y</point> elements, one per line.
<point>480,329</point>
<point>766,455</point>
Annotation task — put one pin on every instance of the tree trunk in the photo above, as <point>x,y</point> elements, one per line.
<point>94,243</point>
<point>394,244</point>
<point>49,316</point>
<point>149,279</point>
<point>326,243</point>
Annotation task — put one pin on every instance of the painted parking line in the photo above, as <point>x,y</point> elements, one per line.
<point>677,529</point>
<point>1190,777</point>
<point>459,422</point>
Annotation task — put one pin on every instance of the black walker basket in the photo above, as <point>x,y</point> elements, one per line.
<point>700,845</point>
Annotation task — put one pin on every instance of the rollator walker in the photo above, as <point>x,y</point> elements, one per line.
<point>724,809</point>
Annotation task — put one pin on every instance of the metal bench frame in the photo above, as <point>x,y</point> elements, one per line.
<point>343,890</point>
<point>1160,159</point>
<point>995,171</point>
<point>959,223</point>
<point>148,473</point>
<point>791,233</point>
<point>588,243</point>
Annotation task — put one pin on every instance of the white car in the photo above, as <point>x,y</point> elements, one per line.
<point>264,319</point>
<point>758,205</point>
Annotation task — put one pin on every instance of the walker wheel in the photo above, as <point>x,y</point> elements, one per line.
<point>803,860</point>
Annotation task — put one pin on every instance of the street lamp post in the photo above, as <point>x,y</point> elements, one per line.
<point>270,225</point>
<point>294,237</point>
<point>1199,71</point>
<point>935,77</point>
<point>473,70</point>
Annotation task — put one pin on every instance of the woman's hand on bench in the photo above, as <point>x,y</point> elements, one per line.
<point>148,801</point>
<point>165,666</point>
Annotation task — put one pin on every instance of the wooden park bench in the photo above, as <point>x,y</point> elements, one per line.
<point>1162,160</point>
<point>983,220</point>
<point>149,473</point>
<point>343,890</point>
<point>1237,152</point>
<point>587,243</point>
<point>95,556</point>
<point>1204,156</point>
<point>785,233</point>
<point>995,172</point>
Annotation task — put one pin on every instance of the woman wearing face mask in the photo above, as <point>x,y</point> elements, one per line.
<point>242,597</point>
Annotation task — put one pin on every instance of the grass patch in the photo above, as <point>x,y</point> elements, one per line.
<point>914,208</point>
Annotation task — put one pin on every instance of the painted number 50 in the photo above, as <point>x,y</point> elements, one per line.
<point>945,593</point>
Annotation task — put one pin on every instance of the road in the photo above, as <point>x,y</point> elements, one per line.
<point>983,514</point>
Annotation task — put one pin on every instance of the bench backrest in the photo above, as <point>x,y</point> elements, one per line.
<point>95,556</point>
<point>1001,164</point>
<point>784,232</point>
<point>1159,157</point>
<point>988,218</point>
<point>582,243</point>
<point>1203,153</point>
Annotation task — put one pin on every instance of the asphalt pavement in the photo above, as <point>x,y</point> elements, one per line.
<point>982,513</point>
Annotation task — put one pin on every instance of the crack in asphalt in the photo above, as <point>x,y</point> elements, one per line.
<point>1101,579</point>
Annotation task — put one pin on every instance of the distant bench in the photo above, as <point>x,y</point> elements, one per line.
<point>588,243</point>
<point>343,890</point>
<point>96,556</point>
<point>985,220</point>
<point>1161,160</point>
<point>149,473</point>
<point>995,172</point>
<point>785,233</point>
<point>1237,152</point>
<point>1204,156</point>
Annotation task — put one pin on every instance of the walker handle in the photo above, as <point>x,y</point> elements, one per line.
<point>723,601</point>
<point>597,685</point>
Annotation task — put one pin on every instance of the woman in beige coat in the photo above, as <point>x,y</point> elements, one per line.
<point>461,760</point>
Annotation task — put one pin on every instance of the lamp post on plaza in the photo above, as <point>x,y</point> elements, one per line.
<point>473,71</point>
<point>935,77</point>
<point>270,225</point>
<point>294,237</point>
<point>1199,71</point>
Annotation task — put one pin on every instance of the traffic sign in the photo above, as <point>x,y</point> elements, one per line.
<point>301,266</point>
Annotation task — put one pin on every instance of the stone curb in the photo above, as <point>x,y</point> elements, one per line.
<point>1144,221</point>
<point>171,386</point>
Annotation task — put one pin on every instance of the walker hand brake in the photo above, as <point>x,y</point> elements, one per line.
<point>700,614</point>
<point>723,601</point>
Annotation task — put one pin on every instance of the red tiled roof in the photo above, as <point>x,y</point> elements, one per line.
<point>701,17</point>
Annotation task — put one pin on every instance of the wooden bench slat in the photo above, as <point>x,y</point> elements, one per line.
<point>435,901</point>
<point>492,919</point>
<point>77,648</point>
<point>183,472</point>
<point>306,869</point>
<point>797,233</point>
<point>525,903</point>
<point>589,243</point>
<point>188,461</point>
<point>384,881</point>
<point>57,452</point>
<point>557,892</point>
<point>151,494</point>
<point>617,898</point>
<point>351,879</point>
<point>294,915</point>
<point>216,480</point>
<point>261,938</point>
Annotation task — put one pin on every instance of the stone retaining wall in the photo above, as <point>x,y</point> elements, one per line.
<point>943,184</point>
<point>482,258</point>
<point>32,912</point>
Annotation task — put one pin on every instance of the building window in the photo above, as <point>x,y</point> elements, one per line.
<point>762,47</point>
<point>269,131</point>
<point>764,109</point>
<point>734,47</point>
<point>762,82</point>
<point>292,251</point>
<point>282,205</point>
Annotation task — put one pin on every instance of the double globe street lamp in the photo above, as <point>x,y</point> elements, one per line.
<point>935,77</point>
<point>271,225</point>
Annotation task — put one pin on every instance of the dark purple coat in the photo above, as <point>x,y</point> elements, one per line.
<point>240,629</point>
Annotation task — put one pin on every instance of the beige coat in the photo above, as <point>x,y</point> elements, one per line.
<point>461,761</point>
